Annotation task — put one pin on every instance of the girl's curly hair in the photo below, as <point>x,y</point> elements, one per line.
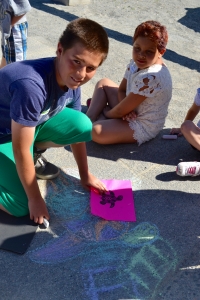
<point>154,31</point>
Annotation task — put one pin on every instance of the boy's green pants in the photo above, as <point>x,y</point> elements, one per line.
<point>67,127</point>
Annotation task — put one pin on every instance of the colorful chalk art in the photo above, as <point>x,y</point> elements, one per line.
<point>113,260</point>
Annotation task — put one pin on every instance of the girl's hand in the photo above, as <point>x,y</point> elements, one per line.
<point>92,182</point>
<point>38,210</point>
<point>176,131</point>
<point>130,117</point>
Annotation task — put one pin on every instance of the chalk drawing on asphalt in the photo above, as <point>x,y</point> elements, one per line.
<point>136,258</point>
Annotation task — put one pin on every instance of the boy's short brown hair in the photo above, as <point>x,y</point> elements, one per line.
<point>87,32</point>
<point>156,32</point>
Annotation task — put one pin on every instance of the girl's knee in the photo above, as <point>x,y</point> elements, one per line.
<point>103,82</point>
<point>97,135</point>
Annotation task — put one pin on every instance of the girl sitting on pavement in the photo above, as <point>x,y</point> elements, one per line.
<point>136,110</point>
<point>192,134</point>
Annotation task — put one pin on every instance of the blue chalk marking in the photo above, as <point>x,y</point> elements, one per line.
<point>143,234</point>
<point>131,255</point>
<point>93,291</point>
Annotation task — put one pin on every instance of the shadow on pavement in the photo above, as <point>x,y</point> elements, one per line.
<point>171,176</point>
<point>158,151</point>
<point>191,20</point>
<point>182,60</point>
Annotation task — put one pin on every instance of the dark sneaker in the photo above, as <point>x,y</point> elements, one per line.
<point>44,169</point>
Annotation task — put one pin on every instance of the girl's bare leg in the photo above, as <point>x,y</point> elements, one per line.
<point>105,92</point>
<point>112,131</point>
<point>192,133</point>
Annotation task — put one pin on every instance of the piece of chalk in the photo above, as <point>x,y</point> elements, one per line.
<point>46,223</point>
<point>169,137</point>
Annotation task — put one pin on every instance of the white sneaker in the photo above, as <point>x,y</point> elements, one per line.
<point>190,168</point>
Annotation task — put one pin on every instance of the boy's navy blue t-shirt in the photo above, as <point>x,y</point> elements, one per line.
<point>30,94</point>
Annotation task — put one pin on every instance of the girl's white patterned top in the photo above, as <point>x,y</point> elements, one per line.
<point>155,83</point>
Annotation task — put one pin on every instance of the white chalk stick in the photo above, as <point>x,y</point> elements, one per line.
<point>169,137</point>
<point>46,223</point>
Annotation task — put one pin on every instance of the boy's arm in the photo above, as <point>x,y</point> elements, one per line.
<point>127,105</point>
<point>22,139</point>
<point>87,179</point>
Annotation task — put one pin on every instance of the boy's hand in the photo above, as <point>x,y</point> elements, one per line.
<point>131,116</point>
<point>176,131</point>
<point>92,181</point>
<point>38,210</point>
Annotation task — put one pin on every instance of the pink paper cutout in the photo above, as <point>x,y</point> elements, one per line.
<point>115,205</point>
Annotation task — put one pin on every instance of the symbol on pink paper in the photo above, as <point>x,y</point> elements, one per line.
<point>118,190</point>
<point>105,198</point>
